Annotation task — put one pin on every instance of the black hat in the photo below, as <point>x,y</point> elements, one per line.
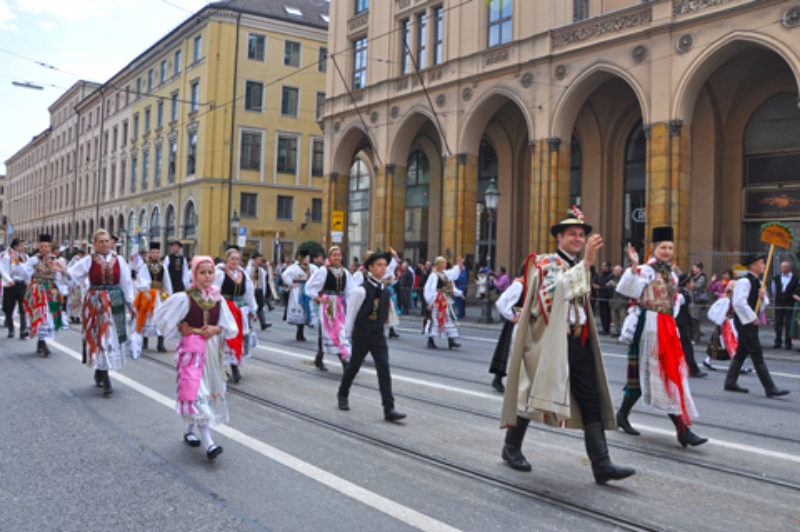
<point>155,245</point>
<point>176,242</point>
<point>45,238</point>
<point>683,279</point>
<point>114,237</point>
<point>663,234</point>
<point>752,257</point>
<point>232,246</point>
<point>375,256</point>
<point>303,253</point>
<point>15,242</point>
<point>574,217</point>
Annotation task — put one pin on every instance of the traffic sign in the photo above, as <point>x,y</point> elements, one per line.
<point>242,237</point>
<point>337,221</point>
<point>336,237</point>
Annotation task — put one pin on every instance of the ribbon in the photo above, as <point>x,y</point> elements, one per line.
<point>190,358</point>
<point>145,303</point>
<point>237,342</point>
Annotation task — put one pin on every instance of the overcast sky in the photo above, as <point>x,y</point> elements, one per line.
<point>84,39</point>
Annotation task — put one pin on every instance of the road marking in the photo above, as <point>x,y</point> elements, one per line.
<point>382,504</point>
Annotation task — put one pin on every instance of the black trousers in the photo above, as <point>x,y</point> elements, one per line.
<point>376,345</point>
<point>583,380</point>
<point>783,322</point>
<point>605,315</point>
<point>749,345</point>
<point>15,296</point>
<point>260,303</point>
<point>685,332</point>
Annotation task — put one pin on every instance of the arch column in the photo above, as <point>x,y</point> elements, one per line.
<point>334,198</point>
<point>459,196</point>
<point>389,209</point>
<point>550,166</point>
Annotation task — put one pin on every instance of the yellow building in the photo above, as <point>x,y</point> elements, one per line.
<point>223,126</point>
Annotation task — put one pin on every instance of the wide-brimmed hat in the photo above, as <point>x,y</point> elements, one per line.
<point>662,234</point>
<point>155,245</point>
<point>176,243</point>
<point>375,256</point>
<point>573,218</point>
<point>45,238</point>
<point>750,258</point>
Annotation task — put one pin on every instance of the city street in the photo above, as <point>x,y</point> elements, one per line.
<point>74,460</point>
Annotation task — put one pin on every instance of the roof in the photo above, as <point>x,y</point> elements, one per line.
<point>311,11</point>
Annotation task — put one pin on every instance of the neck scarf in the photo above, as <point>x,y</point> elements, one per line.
<point>212,293</point>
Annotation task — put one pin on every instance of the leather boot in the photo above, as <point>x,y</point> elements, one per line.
<point>98,378</point>
<point>145,343</point>
<point>766,381</point>
<point>161,348</point>
<point>45,349</point>
<point>318,362</point>
<point>597,450</point>
<point>733,374</point>
<point>431,343</point>
<point>392,333</point>
<point>512,450</point>
<point>451,343</point>
<point>685,435</point>
<point>107,389</point>
<point>622,415</point>
<point>39,347</point>
<point>300,337</point>
<point>497,383</point>
<point>237,376</point>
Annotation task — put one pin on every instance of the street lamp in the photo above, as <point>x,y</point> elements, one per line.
<point>308,220</point>
<point>235,227</point>
<point>492,197</point>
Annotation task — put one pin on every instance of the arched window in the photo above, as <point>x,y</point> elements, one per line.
<point>189,220</point>
<point>487,169</point>
<point>111,224</point>
<point>131,233</point>
<point>142,223</point>
<point>155,224</point>
<point>170,223</point>
<point>358,210</point>
<point>418,179</point>
<point>634,204</point>
<point>575,172</point>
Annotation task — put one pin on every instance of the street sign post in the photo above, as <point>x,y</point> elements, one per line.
<point>242,240</point>
<point>337,227</point>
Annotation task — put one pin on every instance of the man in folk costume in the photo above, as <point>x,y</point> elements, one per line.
<point>439,292</point>
<point>509,305</point>
<point>556,374</point>
<point>657,366</point>
<point>746,293</point>
<point>150,282</point>
<point>178,276</point>
<point>15,284</point>
<point>43,297</point>
<point>329,287</point>
<point>388,280</point>
<point>258,276</point>
<point>367,312</point>
<point>299,306</point>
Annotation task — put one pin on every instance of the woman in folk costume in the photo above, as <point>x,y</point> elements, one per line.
<point>201,322</point>
<point>151,293</point>
<point>509,305</point>
<point>237,289</point>
<point>556,374</point>
<point>656,365</point>
<point>43,297</point>
<point>725,339</point>
<point>299,306</point>
<point>105,328</point>
<point>75,300</point>
<point>329,287</point>
<point>438,293</point>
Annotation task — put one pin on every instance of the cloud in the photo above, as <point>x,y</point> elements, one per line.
<point>46,24</point>
<point>6,17</point>
<point>86,9</point>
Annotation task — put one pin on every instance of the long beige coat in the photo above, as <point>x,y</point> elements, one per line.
<point>538,375</point>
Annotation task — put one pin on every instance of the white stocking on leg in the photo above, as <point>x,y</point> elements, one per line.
<point>205,433</point>
<point>189,428</point>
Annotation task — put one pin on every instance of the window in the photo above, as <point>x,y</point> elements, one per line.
<point>289,97</point>
<point>133,173</point>
<point>195,96</point>
<point>157,167</point>
<point>176,63</point>
<point>320,104</point>
<point>150,80</point>
<point>317,153</point>
<point>438,29</point>
<point>422,40</point>
<point>285,208</point>
<point>189,220</point>
<point>580,10</point>
<point>147,121</point>
<point>322,59</point>
<point>316,210</point>
<point>163,71</point>
<point>253,96</point>
<point>160,114</point>
<point>155,224</point>
<point>124,133</point>
<point>113,143</point>
<point>250,158</point>
<point>255,46</point>
<point>248,205</point>
<point>287,155</point>
<point>191,154</point>
<point>173,112</point>
<point>138,88</point>
<point>172,161</point>
<point>291,53</point>
<point>358,209</point>
<point>406,49</point>
<point>170,222</point>
<point>499,22</point>
<point>135,126</point>
<point>360,64</point>
<point>361,5</point>
<point>198,48</point>
<point>145,168</point>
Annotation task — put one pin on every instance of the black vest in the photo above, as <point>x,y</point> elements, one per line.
<point>332,284</point>
<point>755,285</point>
<point>156,271</point>
<point>176,272</point>
<point>684,319</point>
<point>784,298</point>
<point>372,314</point>
<point>230,288</point>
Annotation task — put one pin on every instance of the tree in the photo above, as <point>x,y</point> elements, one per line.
<point>312,246</point>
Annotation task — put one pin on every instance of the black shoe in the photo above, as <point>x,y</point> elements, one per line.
<point>497,384</point>
<point>789,345</point>
<point>160,347</point>
<point>393,415</point>
<point>107,389</point>
<point>431,344</point>
<point>23,335</point>
<point>707,364</point>
<point>267,325</point>
<point>318,362</point>
<point>10,334</point>
<point>343,403</point>
<point>213,451</point>
<point>451,343</point>
<point>145,343</point>
<point>776,345</point>
<point>39,347</point>
<point>687,437</point>
<point>699,374</point>
<point>515,459</point>
<point>393,334</point>
<point>191,440</point>
<point>237,376</point>
<point>98,378</point>
<point>735,388</point>
<point>45,349</point>
<point>776,392</point>
<point>623,413</point>
<point>745,371</point>
<point>597,450</point>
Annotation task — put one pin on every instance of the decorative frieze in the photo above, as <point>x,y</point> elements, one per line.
<point>792,18</point>
<point>684,7</point>
<point>597,27</point>
<point>496,56</point>
<point>357,22</point>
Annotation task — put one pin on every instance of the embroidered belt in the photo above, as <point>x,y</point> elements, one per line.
<point>657,308</point>
<point>103,286</point>
<point>156,284</point>
<point>331,293</point>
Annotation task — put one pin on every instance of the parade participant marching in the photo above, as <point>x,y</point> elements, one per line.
<point>43,297</point>
<point>439,292</point>
<point>367,312</point>
<point>105,329</point>
<point>202,322</point>
<point>237,289</point>
<point>75,301</point>
<point>15,284</point>
<point>178,275</point>
<point>509,304</point>
<point>329,287</point>
<point>656,365</point>
<point>724,339</point>
<point>684,323</point>
<point>255,271</point>
<point>299,305</point>
<point>388,281</point>
<point>746,293</point>
<point>556,374</point>
<point>151,294</point>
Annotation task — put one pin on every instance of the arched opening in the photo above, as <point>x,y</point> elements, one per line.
<point>155,225</point>
<point>634,199</point>
<point>169,224</point>
<point>575,172</point>
<point>111,224</point>
<point>189,227</point>
<point>131,238</point>
<point>487,170</point>
<point>358,209</point>
<point>418,180</point>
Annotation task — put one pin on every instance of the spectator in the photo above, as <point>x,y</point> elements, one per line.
<point>594,280</point>
<point>701,298</point>
<point>501,280</point>
<point>460,301</point>
<point>783,290</point>
<point>423,278</point>
<point>718,287</point>
<point>604,297</point>
<point>619,304</point>
<point>405,284</point>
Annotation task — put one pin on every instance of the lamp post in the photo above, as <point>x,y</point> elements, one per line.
<point>492,197</point>
<point>308,220</point>
<point>235,226</point>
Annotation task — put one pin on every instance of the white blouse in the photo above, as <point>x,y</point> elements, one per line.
<point>176,307</point>
<point>79,272</point>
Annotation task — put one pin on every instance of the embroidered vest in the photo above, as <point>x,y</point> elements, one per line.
<point>197,316</point>
<point>231,288</point>
<point>659,295</point>
<point>334,284</point>
<point>176,272</point>
<point>156,273</point>
<point>102,272</point>
<point>255,276</point>
<point>42,271</point>
<point>373,312</point>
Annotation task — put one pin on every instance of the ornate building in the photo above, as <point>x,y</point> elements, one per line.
<point>645,113</point>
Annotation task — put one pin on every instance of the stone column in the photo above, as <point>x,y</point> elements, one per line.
<point>334,198</point>
<point>395,207</point>
<point>459,197</point>
<point>549,190</point>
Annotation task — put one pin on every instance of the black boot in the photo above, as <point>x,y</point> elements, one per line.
<point>237,376</point>
<point>107,389</point>
<point>45,349</point>
<point>39,347</point>
<point>451,343</point>
<point>497,383</point>
<point>624,411</point>
<point>393,334</point>
<point>318,362</point>
<point>98,378</point>
<point>390,414</point>
<point>766,381</point>
<point>300,337</point>
<point>160,347</point>
<point>431,343</point>
<point>733,374</point>
<point>597,450</point>
<point>512,450</point>
<point>685,435</point>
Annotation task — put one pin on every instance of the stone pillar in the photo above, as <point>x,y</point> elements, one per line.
<point>378,210</point>
<point>334,198</point>
<point>549,190</point>
<point>395,207</point>
<point>459,198</point>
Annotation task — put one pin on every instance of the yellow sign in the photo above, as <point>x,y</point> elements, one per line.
<point>337,221</point>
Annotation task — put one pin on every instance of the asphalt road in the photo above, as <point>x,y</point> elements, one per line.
<point>73,460</point>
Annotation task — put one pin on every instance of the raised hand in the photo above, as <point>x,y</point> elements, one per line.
<point>593,245</point>
<point>632,255</point>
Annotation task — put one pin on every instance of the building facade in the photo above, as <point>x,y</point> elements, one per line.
<point>644,113</point>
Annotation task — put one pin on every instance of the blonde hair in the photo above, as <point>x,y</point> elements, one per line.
<point>231,251</point>
<point>100,232</point>
<point>439,260</point>
<point>332,249</point>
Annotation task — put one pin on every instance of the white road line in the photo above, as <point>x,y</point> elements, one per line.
<point>402,513</point>
<point>645,428</point>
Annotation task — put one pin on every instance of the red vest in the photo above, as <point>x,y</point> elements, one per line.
<point>102,272</point>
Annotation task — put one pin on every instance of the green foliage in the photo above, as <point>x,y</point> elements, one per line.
<point>312,246</point>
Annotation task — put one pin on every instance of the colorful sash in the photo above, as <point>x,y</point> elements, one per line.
<point>190,358</point>
<point>42,298</point>
<point>333,320</point>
